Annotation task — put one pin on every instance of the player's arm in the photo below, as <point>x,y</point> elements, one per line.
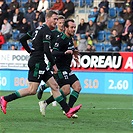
<point>23,41</point>
<point>49,55</point>
<point>48,52</point>
<point>70,49</point>
<point>57,48</point>
<point>56,52</point>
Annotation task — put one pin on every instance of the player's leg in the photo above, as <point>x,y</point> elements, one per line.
<point>75,93</point>
<point>75,84</point>
<point>31,90</point>
<point>45,103</point>
<point>41,89</point>
<point>56,94</point>
<point>34,81</point>
<point>59,98</point>
<point>64,84</point>
<point>63,93</point>
<point>44,86</point>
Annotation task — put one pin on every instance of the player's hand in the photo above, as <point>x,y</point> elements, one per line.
<point>75,52</point>
<point>69,52</point>
<point>77,61</point>
<point>76,56</point>
<point>55,69</point>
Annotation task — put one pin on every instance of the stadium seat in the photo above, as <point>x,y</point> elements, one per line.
<point>89,3</point>
<point>15,34</point>
<point>24,1</point>
<point>5,46</point>
<point>110,23</point>
<point>17,45</point>
<point>121,20</point>
<point>22,9</point>
<point>123,46</point>
<point>82,36</point>
<point>82,3</point>
<point>101,36</point>
<point>107,46</point>
<point>99,47</point>
<point>81,11</point>
<point>107,36</point>
<point>76,3</point>
<point>8,2</point>
<point>112,13</point>
<point>51,2</point>
<point>118,10</point>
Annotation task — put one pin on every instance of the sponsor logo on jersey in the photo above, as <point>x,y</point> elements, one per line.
<point>48,37</point>
<point>56,44</point>
<point>41,72</point>
<point>69,43</point>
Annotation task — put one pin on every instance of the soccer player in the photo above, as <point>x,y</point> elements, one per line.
<point>37,67</point>
<point>63,51</point>
<point>55,34</point>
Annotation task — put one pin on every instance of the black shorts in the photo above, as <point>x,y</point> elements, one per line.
<point>65,77</point>
<point>38,71</point>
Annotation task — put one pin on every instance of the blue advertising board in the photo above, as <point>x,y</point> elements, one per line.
<point>91,82</point>
<point>13,79</point>
<point>118,83</point>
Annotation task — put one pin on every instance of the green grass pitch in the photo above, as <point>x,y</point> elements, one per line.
<point>99,114</point>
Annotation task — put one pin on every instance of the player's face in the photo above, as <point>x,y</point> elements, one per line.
<point>71,28</point>
<point>60,24</point>
<point>53,21</point>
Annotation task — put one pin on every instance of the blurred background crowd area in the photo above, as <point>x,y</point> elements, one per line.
<point>102,25</point>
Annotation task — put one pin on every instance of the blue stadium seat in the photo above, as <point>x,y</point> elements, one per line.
<point>112,13</point>
<point>17,45</point>
<point>81,11</point>
<point>110,23</point>
<point>118,10</point>
<point>82,3</point>
<point>5,46</point>
<point>83,36</point>
<point>121,20</point>
<point>89,3</point>
<point>24,1</point>
<point>15,34</point>
<point>99,46</point>
<point>107,36</point>
<point>123,46</point>
<point>101,36</point>
<point>8,2</point>
<point>51,2</point>
<point>106,46</point>
<point>22,9</point>
<point>76,3</point>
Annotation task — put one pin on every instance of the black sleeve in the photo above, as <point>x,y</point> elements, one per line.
<point>48,53</point>
<point>23,41</point>
<point>57,53</point>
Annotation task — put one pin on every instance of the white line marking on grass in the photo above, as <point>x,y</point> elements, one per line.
<point>111,108</point>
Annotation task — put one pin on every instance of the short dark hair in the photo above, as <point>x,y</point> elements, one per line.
<point>95,7</point>
<point>50,13</point>
<point>67,21</point>
<point>6,19</point>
